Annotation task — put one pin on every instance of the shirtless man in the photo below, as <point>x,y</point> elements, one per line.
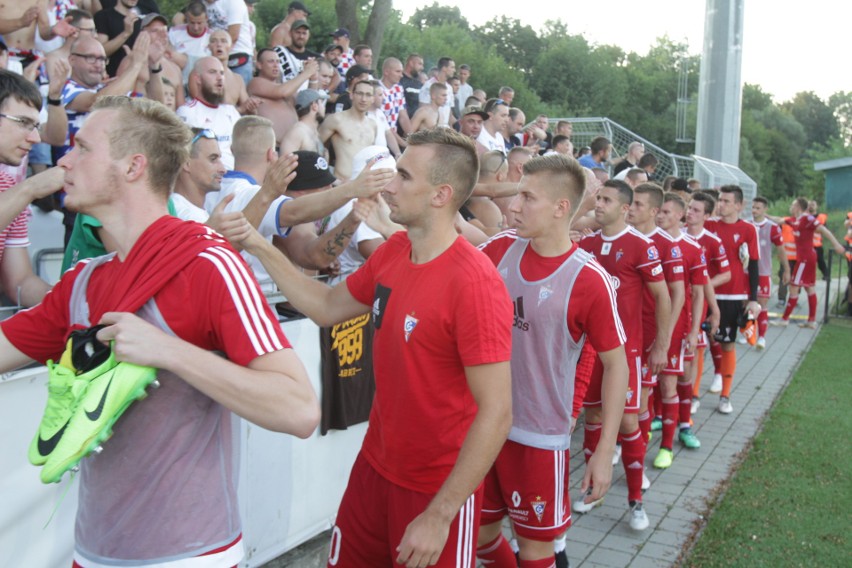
<point>278,98</point>
<point>304,135</point>
<point>280,34</point>
<point>430,116</point>
<point>235,89</point>
<point>18,21</point>
<point>350,130</point>
<point>493,167</point>
<point>159,65</point>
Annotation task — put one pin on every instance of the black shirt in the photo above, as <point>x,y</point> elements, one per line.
<point>111,24</point>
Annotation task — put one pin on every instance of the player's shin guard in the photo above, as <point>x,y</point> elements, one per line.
<point>684,394</point>
<point>591,437</point>
<point>716,353</point>
<point>812,307</point>
<point>791,305</point>
<point>670,417</point>
<point>633,447</point>
<point>762,323</point>
<point>497,554</point>
<point>699,370</point>
<point>729,367</point>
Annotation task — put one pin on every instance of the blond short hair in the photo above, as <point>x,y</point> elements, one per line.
<point>149,128</point>
<point>252,136</point>
<point>567,177</point>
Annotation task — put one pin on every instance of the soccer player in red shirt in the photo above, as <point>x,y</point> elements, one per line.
<point>804,226</point>
<point>442,344</point>
<point>647,200</point>
<point>700,208</point>
<point>169,465</point>
<point>563,298</point>
<point>768,235</point>
<point>675,382</point>
<point>740,240</point>
<point>633,262</point>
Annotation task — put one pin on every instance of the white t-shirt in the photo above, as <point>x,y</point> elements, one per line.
<point>491,142</point>
<point>185,210</point>
<point>224,13</point>
<point>244,190</point>
<point>382,126</point>
<point>220,120</point>
<point>193,46</point>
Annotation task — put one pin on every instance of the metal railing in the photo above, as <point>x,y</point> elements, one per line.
<point>838,303</point>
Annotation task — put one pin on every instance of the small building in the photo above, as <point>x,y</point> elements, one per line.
<point>838,183</point>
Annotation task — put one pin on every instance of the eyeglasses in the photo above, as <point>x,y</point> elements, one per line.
<point>91,58</point>
<point>25,124</point>
<point>205,133</point>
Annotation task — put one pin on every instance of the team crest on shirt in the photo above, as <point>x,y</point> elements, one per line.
<point>409,325</point>
<point>538,506</point>
<point>736,237</point>
<point>618,255</point>
<point>544,293</point>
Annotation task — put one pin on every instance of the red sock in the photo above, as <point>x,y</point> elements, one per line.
<point>633,448</point>
<point>644,425</point>
<point>658,404</point>
<point>670,414</point>
<point>699,370</point>
<point>591,437</point>
<point>762,323</point>
<point>549,562</point>
<point>684,394</point>
<point>812,307</point>
<point>729,367</point>
<point>716,353</point>
<point>791,305</point>
<point>497,553</point>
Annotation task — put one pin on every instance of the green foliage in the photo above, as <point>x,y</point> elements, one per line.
<point>437,15</point>
<point>789,502</point>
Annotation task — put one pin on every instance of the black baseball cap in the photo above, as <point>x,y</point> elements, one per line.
<point>340,32</point>
<point>311,172</point>
<point>298,6</point>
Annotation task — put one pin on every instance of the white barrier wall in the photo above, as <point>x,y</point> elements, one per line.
<point>289,488</point>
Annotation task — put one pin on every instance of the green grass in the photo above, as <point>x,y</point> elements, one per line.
<point>790,501</point>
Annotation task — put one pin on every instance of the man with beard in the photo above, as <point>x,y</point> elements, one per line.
<point>235,88</point>
<point>278,97</point>
<point>304,135</point>
<point>209,110</point>
<point>350,130</point>
<point>294,57</point>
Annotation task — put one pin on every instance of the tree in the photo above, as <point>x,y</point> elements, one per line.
<point>436,15</point>
<point>815,116</point>
<point>350,13</point>
<point>519,45</point>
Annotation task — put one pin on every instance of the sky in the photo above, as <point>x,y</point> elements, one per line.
<point>785,49</point>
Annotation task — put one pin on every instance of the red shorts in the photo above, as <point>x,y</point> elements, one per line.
<point>764,287</point>
<point>530,484</point>
<point>675,356</point>
<point>634,365</point>
<point>804,275</point>
<point>375,513</point>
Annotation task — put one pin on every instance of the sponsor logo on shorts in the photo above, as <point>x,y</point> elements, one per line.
<point>630,391</point>
<point>516,499</point>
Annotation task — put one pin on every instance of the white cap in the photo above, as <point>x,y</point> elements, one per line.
<point>359,161</point>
